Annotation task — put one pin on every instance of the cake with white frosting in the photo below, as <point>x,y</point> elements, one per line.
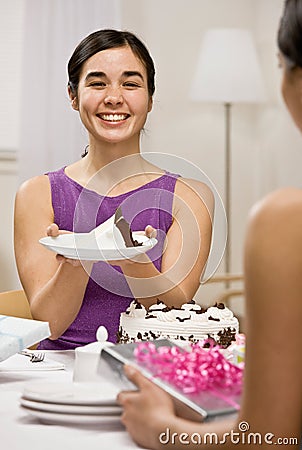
<point>190,322</point>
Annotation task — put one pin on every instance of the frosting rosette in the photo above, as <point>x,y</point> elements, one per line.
<point>221,314</point>
<point>136,310</point>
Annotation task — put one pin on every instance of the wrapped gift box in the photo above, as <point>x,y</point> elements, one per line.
<point>201,379</point>
<point>16,334</point>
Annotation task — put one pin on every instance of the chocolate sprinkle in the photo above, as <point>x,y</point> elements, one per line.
<point>182,319</point>
<point>210,341</point>
<point>226,337</point>
<point>220,305</point>
<point>155,309</point>
<point>213,318</point>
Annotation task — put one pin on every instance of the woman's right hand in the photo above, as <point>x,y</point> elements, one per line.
<point>55,288</point>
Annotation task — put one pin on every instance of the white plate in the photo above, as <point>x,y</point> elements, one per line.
<point>68,393</point>
<point>71,409</point>
<point>58,418</point>
<point>82,246</point>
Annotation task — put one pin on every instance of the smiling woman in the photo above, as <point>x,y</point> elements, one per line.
<point>111,85</point>
<point>113,103</point>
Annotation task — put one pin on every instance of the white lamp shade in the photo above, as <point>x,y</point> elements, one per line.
<point>228,70</point>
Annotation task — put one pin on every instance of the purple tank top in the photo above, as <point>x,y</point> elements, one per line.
<point>107,293</point>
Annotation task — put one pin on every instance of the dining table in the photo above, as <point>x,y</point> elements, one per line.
<point>21,430</point>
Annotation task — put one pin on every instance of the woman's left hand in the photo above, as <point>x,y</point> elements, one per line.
<point>150,232</point>
<point>147,412</point>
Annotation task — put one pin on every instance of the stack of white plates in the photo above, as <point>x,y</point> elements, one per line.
<point>73,403</point>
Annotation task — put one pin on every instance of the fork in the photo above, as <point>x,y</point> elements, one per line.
<point>34,357</point>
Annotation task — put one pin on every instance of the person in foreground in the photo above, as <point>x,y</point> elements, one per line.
<point>111,85</point>
<point>272,393</point>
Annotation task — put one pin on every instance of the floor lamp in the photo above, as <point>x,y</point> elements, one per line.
<point>228,72</point>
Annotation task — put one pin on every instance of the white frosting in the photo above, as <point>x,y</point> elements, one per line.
<point>157,306</point>
<point>185,323</point>
<point>166,316</point>
<point>191,306</point>
<point>199,317</point>
<point>135,312</point>
<point>182,314</point>
<point>217,313</point>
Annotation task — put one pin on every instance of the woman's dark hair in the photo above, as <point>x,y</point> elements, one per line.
<point>290,33</point>
<point>103,40</point>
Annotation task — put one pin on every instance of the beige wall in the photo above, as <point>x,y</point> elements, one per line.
<point>11,17</point>
<point>173,30</point>
<point>8,186</point>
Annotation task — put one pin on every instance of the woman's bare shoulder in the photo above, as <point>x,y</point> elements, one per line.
<point>275,226</point>
<point>193,191</point>
<point>191,183</point>
<point>34,193</point>
<point>281,204</point>
<point>34,186</point>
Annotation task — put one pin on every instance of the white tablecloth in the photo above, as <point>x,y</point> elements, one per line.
<point>19,430</point>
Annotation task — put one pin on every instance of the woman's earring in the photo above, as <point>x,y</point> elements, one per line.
<point>85,152</point>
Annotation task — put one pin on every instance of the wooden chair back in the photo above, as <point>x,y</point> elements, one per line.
<point>14,303</point>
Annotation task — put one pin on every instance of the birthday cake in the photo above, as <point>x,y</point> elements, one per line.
<point>190,322</point>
